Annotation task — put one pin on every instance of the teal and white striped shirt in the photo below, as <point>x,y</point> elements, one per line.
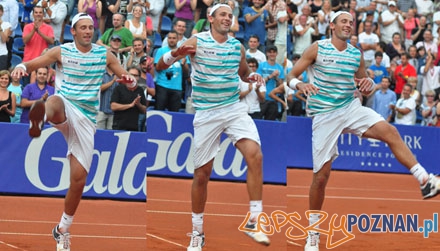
<point>214,73</point>
<point>333,73</point>
<point>80,77</point>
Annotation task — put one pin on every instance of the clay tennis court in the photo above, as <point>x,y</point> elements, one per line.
<point>169,218</point>
<point>26,224</point>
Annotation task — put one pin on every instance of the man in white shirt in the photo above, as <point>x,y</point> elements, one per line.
<point>391,22</point>
<point>368,42</point>
<point>56,12</point>
<point>253,51</point>
<point>405,108</point>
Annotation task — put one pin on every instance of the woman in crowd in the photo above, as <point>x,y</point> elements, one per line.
<point>7,98</point>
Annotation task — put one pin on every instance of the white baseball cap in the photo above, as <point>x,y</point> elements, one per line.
<point>391,3</point>
<point>80,16</point>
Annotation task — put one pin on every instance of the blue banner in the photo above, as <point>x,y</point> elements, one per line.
<point>360,154</point>
<point>39,166</point>
<point>170,151</point>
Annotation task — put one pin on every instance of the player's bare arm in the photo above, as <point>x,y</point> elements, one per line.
<point>187,48</point>
<point>51,56</point>
<point>114,65</point>
<point>362,81</point>
<point>307,59</point>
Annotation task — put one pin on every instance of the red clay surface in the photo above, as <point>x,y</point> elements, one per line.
<point>169,215</point>
<point>367,193</point>
<point>26,224</point>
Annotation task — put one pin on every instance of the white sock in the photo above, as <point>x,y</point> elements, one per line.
<point>419,173</point>
<point>65,223</point>
<point>256,207</point>
<point>313,219</point>
<point>197,222</point>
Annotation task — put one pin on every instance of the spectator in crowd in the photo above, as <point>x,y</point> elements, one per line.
<point>255,21</point>
<point>273,7</point>
<point>383,99</point>
<point>391,21</point>
<point>436,21</point>
<point>405,108</point>
<point>428,109</point>
<point>315,6</point>
<point>370,17</point>
<point>281,35</point>
<point>10,15</point>
<point>104,118</point>
<point>403,6</point>
<point>117,7</point>
<point>124,33</point>
<point>377,71</point>
<point>431,74</point>
<point>127,103</point>
<point>411,22</point>
<point>169,81</point>
<point>135,25</point>
<point>324,15</point>
<point>155,12</point>
<point>145,5</point>
<point>94,9</point>
<point>253,51</point>
<point>136,52</point>
<point>185,12</point>
<point>28,6</point>
<point>70,4</point>
<point>115,44</point>
<point>352,9</point>
<point>305,10</point>
<point>147,82</point>
<point>5,33</point>
<point>16,88</point>
<point>396,47</point>
<point>179,27</point>
<point>202,25</point>
<point>368,43</point>
<point>402,73</point>
<point>202,9</point>
<point>273,74</point>
<point>7,98</point>
<point>252,94</point>
<point>425,8</point>
<point>417,33</point>
<point>381,47</point>
<point>413,60</point>
<point>37,36</point>
<point>303,33</point>
<point>33,92</point>
<point>415,94</point>
<point>284,96</point>
<point>428,43</point>
<point>56,12</point>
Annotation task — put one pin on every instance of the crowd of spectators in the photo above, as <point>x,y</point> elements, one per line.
<point>399,41</point>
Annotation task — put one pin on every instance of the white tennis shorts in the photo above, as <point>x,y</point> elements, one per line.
<point>233,120</point>
<point>353,118</point>
<point>79,133</point>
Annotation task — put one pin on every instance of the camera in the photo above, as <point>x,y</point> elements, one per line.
<point>169,75</point>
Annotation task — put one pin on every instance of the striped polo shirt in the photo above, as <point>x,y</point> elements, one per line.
<point>333,73</point>
<point>80,77</point>
<point>214,73</point>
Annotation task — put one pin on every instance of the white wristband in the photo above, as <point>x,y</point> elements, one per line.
<point>168,59</point>
<point>293,83</point>
<point>22,66</point>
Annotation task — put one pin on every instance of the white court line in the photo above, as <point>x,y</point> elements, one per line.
<point>12,246</point>
<point>213,203</point>
<point>294,243</point>
<point>79,236</point>
<point>209,214</point>
<point>367,198</point>
<point>358,189</point>
<point>165,240</point>
<point>76,223</point>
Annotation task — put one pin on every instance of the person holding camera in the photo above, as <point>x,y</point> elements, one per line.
<point>169,81</point>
